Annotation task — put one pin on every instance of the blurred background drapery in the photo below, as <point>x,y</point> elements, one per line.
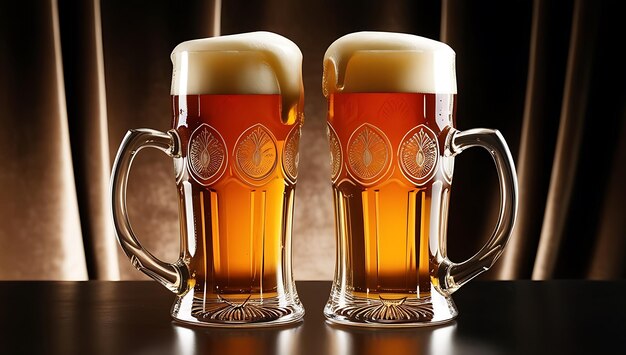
<point>75,75</point>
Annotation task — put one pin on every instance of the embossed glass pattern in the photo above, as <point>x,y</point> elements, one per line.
<point>336,158</point>
<point>419,154</point>
<point>207,154</point>
<point>291,155</point>
<point>255,153</point>
<point>368,154</point>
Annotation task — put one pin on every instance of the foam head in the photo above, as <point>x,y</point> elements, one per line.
<point>247,63</point>
<point>388,62</point>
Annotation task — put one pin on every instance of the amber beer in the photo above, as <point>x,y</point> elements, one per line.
<point>391,130</point>
<point>385,148</point>
<point>237,114</point>
<point>241,164</point>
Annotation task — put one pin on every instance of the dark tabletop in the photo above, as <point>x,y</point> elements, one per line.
<point>106,317</point>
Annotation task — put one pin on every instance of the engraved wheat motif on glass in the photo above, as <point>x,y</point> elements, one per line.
<point>256,153</point>
<point>291,153</point>
<point>206,154</point>
<point>368,153</point>
<point>418,154</point>
<point>335,152</point>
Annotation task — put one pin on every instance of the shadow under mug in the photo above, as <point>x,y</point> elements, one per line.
<point>235,163</point>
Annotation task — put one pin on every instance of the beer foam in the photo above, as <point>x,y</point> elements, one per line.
<point>247,63</point>
<point>388,62</point>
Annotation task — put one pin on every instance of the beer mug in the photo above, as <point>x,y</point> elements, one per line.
<point>391,130</point>
<point>237,115</point>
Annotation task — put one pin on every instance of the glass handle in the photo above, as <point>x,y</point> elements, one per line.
<point>173,276</point>
<point>452,275</point>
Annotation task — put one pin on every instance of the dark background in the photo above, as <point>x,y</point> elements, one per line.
<point>548,74</point>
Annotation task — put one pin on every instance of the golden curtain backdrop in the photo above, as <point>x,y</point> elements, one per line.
<point>76,75</point>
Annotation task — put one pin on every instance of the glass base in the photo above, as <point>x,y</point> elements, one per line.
<point>238,311</point>
<point>390,310</point>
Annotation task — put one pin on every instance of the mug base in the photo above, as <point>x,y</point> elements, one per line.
<point>391,312</point>
<point>241,312</point>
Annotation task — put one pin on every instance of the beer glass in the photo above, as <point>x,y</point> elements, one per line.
<point>237,113</point>
<point>391,130</point>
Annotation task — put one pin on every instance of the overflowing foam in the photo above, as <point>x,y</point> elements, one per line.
<point>248,63</point>
<point>388,62</point>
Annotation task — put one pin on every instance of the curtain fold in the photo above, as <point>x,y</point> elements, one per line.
<point>607,261</point>
<point>81,42</point>
<point>569,138</point>
<point>40,233</point>
<point>589,218</point>
<point>75,76</point>
<point>492,41</point>
<point>544,92</point>
<point>137,40</point>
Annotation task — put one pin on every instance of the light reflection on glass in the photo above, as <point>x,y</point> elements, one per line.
<point>365,341</point>
<point>196,341</point>
<point>185,340</point>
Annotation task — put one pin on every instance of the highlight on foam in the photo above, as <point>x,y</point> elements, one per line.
<point>388,62</point>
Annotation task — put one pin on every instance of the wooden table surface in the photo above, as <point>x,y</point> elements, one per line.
<point>132,317</point>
